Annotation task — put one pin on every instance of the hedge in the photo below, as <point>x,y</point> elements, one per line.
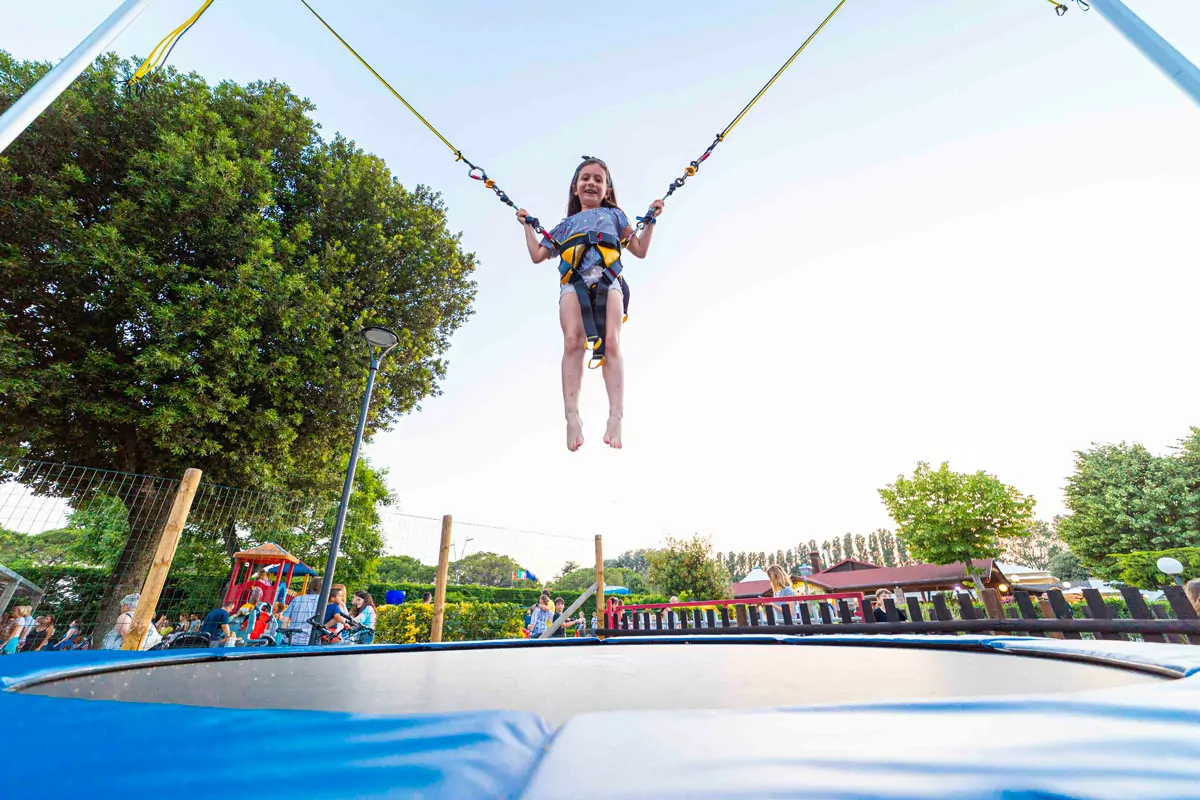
<point>489,594</point>
<point>409,623</point>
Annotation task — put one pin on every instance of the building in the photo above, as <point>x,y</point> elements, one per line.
<point>849,575</point>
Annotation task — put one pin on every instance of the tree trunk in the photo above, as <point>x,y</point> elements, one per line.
<point>149,502</point>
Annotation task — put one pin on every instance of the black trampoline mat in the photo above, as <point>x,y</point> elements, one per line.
<point>559,682</point>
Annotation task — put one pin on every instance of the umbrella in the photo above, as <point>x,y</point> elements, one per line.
<point>615,590</point>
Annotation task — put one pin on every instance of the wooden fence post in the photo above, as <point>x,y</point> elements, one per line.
<point>599,584</point>
<point>439,589</point>
<point>1048,613</point>
<point>168,540</point>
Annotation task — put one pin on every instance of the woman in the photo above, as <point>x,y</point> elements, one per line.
<point>542,616</point>
<point>40,636</point>
<point>363,609</point>
<point>1193,593</point>
<point>10,632</point>
<point>163,624</point>
<point>781,586</point>
<point>114,639</point>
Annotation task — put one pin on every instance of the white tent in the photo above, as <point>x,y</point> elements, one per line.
<point>756,574</point>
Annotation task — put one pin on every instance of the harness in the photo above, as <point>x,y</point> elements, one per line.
<point>593,300</point>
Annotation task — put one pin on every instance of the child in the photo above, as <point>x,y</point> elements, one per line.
<point>592,207</point>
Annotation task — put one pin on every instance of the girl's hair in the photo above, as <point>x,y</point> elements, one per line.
<point>779,577</point>
<point>368,601</point>
<point>1193,593</point>
<point>574,206</point>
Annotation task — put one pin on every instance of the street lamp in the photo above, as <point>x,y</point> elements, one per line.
<point>379,342</point>
<point>805,570</point>
<point>1171,566</point>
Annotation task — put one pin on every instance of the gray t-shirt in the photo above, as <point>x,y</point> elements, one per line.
<point>609,221</point>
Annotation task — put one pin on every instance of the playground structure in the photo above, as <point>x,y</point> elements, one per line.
<point>711,709</point>
<point>269,558</point>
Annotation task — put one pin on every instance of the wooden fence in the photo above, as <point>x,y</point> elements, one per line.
<point>1049,615</point>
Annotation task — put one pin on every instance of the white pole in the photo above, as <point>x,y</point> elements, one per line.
<point>1154,47</point>
<point>53,83</point>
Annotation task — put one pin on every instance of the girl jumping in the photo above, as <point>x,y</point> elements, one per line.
<point>592,209</point>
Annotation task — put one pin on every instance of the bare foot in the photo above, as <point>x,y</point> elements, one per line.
<point>574,433</point>
<point>612,434</point>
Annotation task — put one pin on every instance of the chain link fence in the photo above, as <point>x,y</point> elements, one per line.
<point>75,542</point>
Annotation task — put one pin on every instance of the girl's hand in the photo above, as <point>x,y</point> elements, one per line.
<point>657,207</point>
<point>521,215</point>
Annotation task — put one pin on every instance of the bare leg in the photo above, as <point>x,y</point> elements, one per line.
<point>614,370</point>
<point>574,346</point>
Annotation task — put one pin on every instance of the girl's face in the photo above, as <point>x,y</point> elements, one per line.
<point>591,186</point>
<point>359,602</point>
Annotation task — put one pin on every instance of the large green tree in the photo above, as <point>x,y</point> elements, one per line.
<point>1125,499</point>
<point>948,517</point>
<point>185,275</point>
<point>484,569</point>
<point>687,567</point>
<point>404,569</point>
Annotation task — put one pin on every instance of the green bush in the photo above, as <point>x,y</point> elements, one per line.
<point>1141,570</point>
<point>489,594</point>
<point>409,623</point>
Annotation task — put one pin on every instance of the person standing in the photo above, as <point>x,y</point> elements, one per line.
<point>541,616</point>
<point>560,606</point>
<point>301,610</point>
<point>40,636</point>
<point>115,638</point>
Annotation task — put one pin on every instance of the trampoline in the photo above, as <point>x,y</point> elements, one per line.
<point>777,716</point>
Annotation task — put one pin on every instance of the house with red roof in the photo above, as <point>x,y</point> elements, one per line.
<point>850,575</point>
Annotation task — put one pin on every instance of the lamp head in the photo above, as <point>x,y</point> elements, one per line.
<point>382,338</point>
<point>1169,565</point>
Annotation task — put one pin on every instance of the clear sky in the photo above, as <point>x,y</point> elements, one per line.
<point>952,231</point>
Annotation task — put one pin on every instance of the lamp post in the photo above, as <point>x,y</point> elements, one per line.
<point>379,342</point>
<point>805,570</point>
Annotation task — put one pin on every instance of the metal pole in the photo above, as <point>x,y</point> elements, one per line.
<point>347,488</point>
<point>23,112</point>
<point>1154,47</point>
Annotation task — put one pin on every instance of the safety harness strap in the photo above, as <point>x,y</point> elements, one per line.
<point>593,300</point>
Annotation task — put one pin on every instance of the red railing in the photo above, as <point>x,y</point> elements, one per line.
<point>858,597</point>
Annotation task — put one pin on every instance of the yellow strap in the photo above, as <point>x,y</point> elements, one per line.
<point>787,64</point>
<point>1057,5</point>
<point>457,153</point>
<point>159,54</point>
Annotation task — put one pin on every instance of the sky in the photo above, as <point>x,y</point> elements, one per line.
<point>950,232</point>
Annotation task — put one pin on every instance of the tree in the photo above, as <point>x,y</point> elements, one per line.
<point>1124,499</point>
<point>903,559</point>
<point>887,548</point>
<point>485,569</point>
<point>186,273</point>
<point>948,517</point>
<point>403,569</point>
<point>835,551</point>
<point>633,560</point>
<point>848,546</point>
<point>1036,549</point>
<point>1066,566</point>
<point>686,566</point>
<point>571,566</point>
<point>580,579</point>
